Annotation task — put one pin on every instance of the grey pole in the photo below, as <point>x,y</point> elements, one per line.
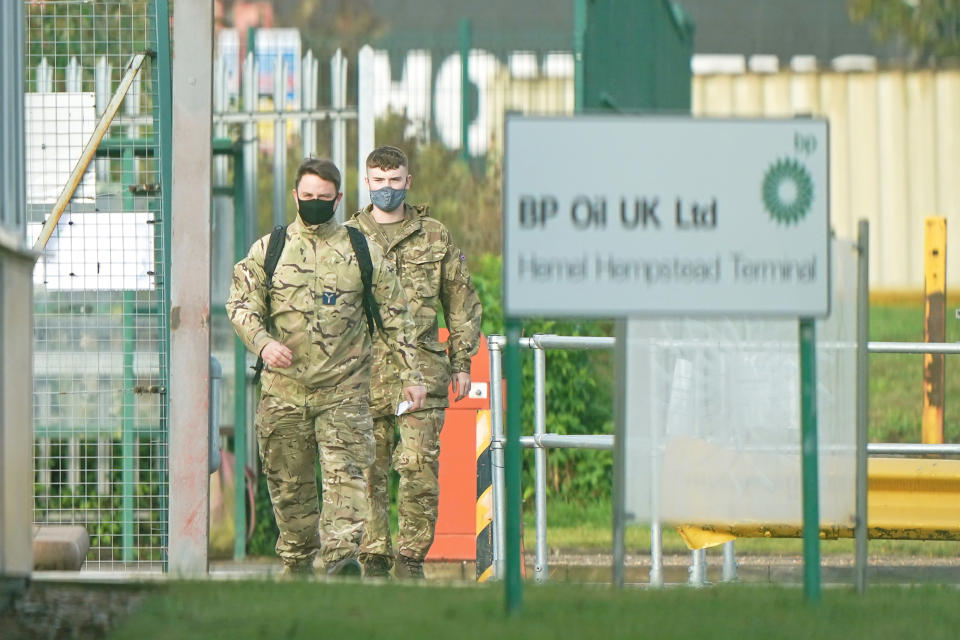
<point>656,554</point>
<point>190,288</point>
<point>913,347</point>
<point>562,441</point>
<point>619,451</point>
<point>656,532</point>
<point>863,391</point>
<point>101,89</point>
<point>698,568</point>
<point>16,317</point>
<point>729,562</point>
<point>338,93</point>
<point>495,346</point>
<point>540,460</point>
<point>308,102</point>
<point>365,123</point>
<point>913,449</point>
<point>250,145</point>
<point>279,144</point>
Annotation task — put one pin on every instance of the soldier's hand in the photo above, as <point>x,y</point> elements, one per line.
<point>416,394</point>
<point>276,355</point>
<point>460,384</point>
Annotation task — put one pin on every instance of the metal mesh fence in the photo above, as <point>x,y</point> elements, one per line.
<point>100,338</point>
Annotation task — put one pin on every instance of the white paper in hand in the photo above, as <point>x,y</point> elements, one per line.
<point>404,406</point>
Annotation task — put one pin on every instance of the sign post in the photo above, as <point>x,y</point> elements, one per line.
<point>618,216</point>
<point>809,463</point>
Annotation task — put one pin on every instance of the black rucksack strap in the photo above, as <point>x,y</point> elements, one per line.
<point>278,238</point>
<point>362,251</point>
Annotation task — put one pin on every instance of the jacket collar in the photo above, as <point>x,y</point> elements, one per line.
<point>412,222</point>
<point>322,231</point>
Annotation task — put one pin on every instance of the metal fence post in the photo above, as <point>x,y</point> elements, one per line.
<point>863,399</point>
<point>619,452</point>
<point>656,530</point>
<point>698,568</point>
<point>540,458</point>
<point>240,404</point>
<point>729,562</point>
<point>513,581</point>
<point>250,144</point>
<point>216,390</point>
<point>308,100</point>
<point>279,144</point>
<point>338,103</point>
<point>495,346</point>
<point>809,459</point>
<point>366,119</point>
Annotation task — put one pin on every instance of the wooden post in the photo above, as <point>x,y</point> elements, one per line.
<point>934,327</point>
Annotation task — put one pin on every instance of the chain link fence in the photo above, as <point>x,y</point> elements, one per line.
<point>100,337</point>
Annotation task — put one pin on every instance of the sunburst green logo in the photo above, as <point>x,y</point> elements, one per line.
<point>787,191</point>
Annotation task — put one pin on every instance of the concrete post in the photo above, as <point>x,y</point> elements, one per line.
<point>16,319</point>
<point>190,287</point>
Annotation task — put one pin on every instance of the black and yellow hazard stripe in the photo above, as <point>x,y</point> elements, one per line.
<point>484,499</point>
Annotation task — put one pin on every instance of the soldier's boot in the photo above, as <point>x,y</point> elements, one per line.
<point>409,568</point>
<point>345,567</point>
<point>376,566</point>
<point>296,571</point>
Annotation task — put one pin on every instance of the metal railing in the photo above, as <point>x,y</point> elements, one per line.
<point>540,441</point>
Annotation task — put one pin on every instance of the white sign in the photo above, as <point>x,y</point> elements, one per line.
<point>626,215</point>
<point>57,127</point>
<point>98,251</point>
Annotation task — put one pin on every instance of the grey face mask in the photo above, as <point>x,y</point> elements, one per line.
<point>387,198</point>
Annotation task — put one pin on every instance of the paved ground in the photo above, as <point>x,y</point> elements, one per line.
<point>597,568</point>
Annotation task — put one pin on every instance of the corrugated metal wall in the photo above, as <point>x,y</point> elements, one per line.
<point>895,152</point>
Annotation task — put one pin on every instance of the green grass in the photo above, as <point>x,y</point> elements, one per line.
<point>587,528</point>
<point>896,380</point>
<point>238,610</point>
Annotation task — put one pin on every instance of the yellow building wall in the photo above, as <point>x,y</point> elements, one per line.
<point>894,148</point>
<point>894,153</point>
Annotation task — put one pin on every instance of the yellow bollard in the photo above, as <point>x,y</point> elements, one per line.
<point>934,327</point>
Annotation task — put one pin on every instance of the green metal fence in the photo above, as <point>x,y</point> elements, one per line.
<point>101,337</point>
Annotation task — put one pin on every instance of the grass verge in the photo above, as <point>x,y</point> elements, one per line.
<point>241,610</point>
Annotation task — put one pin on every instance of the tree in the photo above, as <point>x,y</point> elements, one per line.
<point>930,28</point>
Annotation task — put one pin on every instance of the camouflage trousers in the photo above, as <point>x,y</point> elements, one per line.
<point>291,438</point>
<point>416,459</point>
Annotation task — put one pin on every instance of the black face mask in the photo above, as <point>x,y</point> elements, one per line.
<point>316,211</point>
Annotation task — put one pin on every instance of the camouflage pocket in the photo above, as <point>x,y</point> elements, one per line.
<point>423,272</point>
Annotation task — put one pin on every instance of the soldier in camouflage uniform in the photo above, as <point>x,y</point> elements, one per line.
<point>308,325</point>
<point>434,275</point>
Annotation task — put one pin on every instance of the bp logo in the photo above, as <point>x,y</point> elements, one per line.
<point>787,191</point>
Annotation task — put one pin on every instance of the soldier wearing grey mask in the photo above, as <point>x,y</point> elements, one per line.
<point>433,273</point>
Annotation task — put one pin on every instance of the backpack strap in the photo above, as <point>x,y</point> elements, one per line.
<point>278,238</point>
<point>362,251</point>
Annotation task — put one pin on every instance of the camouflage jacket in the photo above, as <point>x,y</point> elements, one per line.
<point>316,310</point>
<point>434,275</point>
